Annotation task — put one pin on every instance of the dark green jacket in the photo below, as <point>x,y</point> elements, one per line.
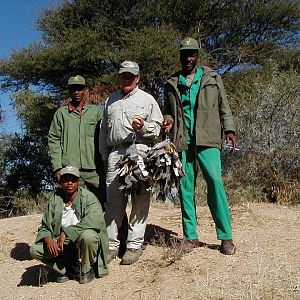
<point>72,137</point>
<point>213,114</point>
<point>87,206</point>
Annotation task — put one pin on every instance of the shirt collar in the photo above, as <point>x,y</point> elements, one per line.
<point>183,81</point>
<point>79,108</point>
<point>130,94</point>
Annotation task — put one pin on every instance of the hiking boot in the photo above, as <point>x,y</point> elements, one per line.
<point>87,277</point>
<point>112,254</point>
<point>63,278</point>
<point>131,256</point>
<point>190,245</point>
<point>227,247</point>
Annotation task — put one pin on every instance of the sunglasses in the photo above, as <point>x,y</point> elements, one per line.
<point>73,179</point>
<point>76,88</point>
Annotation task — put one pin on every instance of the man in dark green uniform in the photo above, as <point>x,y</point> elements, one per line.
<point>197,112</point>
<point>73,138</point>
<point>73,232</point>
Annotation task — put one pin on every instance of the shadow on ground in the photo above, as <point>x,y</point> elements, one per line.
<point>156,235</point>
<point>20,252</point>
<point>38,275</point>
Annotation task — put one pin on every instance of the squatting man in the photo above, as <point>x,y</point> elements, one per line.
<point>72,239</point>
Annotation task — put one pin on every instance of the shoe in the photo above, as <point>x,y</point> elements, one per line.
<point>227,247</point>
<point>112,254</point>
<point>87,277</point>
<point>190,245</point>
<point>63,278</point>
<point>131,256</point>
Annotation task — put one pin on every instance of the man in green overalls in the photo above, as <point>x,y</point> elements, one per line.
<point>197,113</point>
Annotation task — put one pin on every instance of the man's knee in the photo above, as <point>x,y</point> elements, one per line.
<point>34,251</point>
<point>214,179</point>
<point>88,237</point>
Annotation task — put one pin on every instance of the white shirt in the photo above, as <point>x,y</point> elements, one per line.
<point>69,217</point>
<point>120,109</point>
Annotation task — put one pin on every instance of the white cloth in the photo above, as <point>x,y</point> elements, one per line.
<point>69,217</point>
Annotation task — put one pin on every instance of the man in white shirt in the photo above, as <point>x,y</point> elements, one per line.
<point>130,114</point>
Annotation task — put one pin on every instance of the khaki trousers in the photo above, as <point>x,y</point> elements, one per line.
<point>116,203</point>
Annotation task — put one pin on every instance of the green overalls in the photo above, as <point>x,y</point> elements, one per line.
<point>210,162</point>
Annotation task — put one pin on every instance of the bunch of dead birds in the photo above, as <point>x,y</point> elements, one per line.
<point>160,166</point>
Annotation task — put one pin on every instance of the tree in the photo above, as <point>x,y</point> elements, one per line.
<point>25,165</point>
<point>91,38</point>
<point>266,103</point>
<point>235,32</point>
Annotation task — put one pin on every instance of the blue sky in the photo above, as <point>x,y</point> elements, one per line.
<point>17,23</point>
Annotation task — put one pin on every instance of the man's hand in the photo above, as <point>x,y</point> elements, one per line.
<point>231,139</point>
<point>137,123</point>
<point>52,246</point>
<point>60,241</point>
<point>167,125</point>
<point>57,176</point>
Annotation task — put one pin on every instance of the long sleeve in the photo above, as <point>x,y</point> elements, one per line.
<point>103,145</point>
<point>54,142</point>
<point>225,113</point>
<point>51,218</point>
<point>151,128</point>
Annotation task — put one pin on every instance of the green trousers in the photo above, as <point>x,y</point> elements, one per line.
<point>85,248</point>
<point>210,163</point>
<point>94,181</point>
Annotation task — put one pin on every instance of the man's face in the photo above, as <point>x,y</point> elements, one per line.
<point>76,92</point>
<point>69,183</point>
<point>188,59</point>
<point>128,82</point>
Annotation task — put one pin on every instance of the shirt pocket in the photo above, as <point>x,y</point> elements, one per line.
<point>133,109</point>
<point>89,126</point>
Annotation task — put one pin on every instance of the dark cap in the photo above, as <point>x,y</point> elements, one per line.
<point>79,80</point>
<point>189,44</point>
<point>129,66</point>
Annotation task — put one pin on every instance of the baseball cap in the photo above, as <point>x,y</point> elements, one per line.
<point>70,170</point>
<point>129,66</point>
<point>189,44</point>
<point>76,80</point>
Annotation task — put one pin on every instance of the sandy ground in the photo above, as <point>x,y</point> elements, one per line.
<point>266,265</point>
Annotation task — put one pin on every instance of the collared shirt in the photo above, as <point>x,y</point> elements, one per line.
<point>120,109</point>
<point>79,108</point>
<point>71,137</point>
<point>189,92</point>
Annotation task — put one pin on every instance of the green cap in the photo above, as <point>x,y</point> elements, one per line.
<point>129,66</point>
<point>189,44</point>
<point>70,170</point>
<point>76,80</point>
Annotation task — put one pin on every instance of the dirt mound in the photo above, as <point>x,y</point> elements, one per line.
<point>266,265</point>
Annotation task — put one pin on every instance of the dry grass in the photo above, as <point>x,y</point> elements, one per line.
<point>266,265</point>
